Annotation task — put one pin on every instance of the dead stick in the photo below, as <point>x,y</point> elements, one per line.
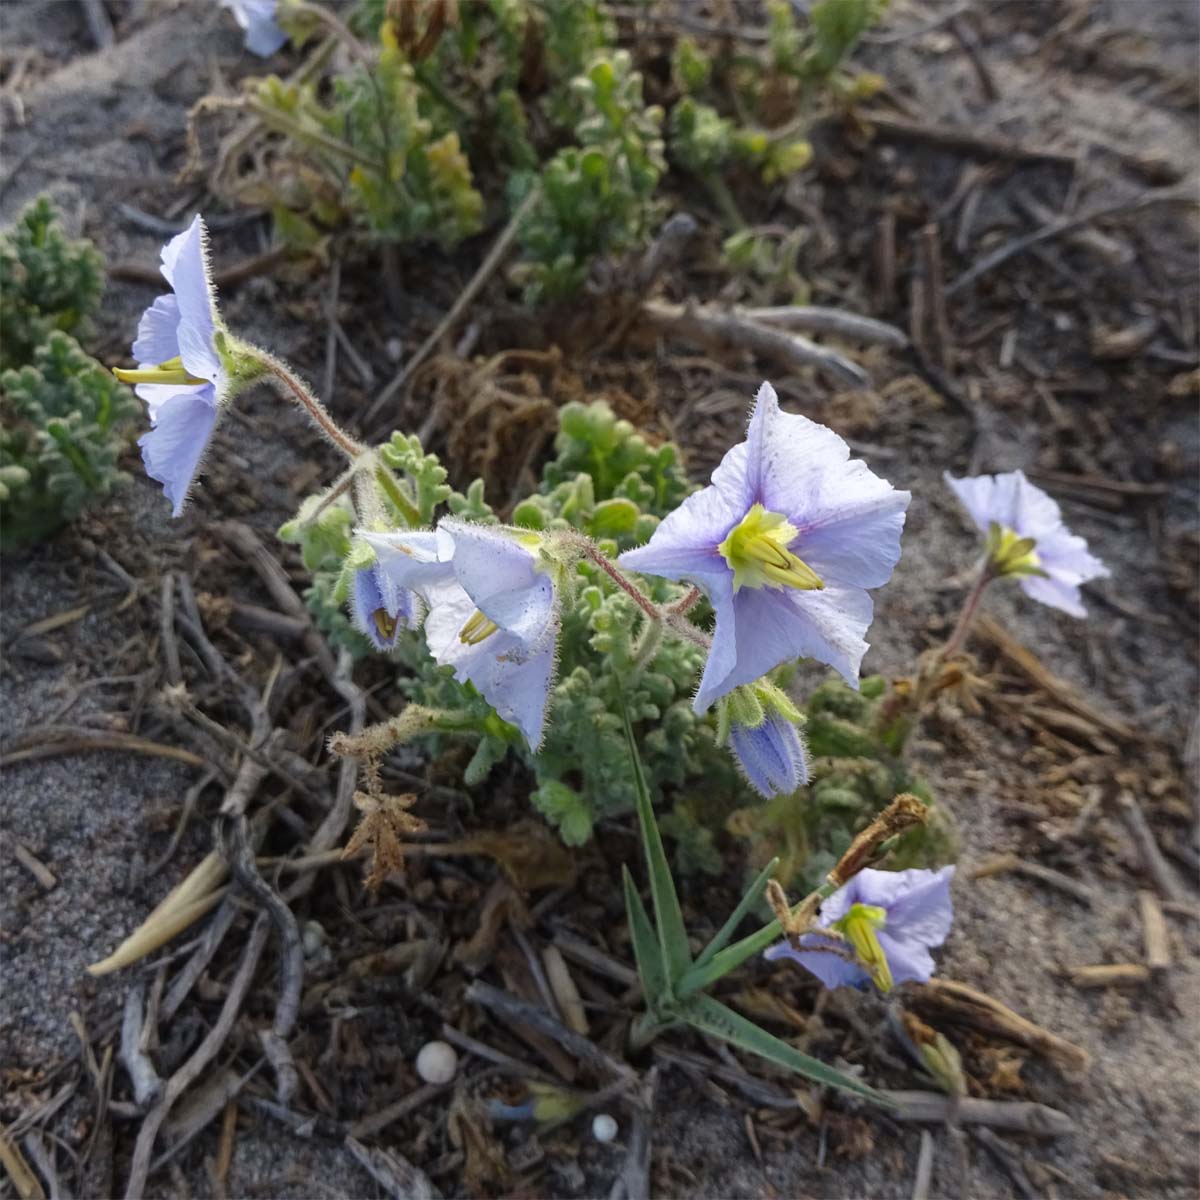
<point>956,1003</point>
<point>1153,862</point>
<point>829,320</point>
<point>1108,974</point>
<point>1154,930</point>
<point>1068,225</point>
<point>147,1086</point>
<point>950,138</point>
<point>366,1126</point>
<point>1055,879</point>
<point>1022,1115</point>
<point>194,1066</point>
<point>510,1008</point>
<point>714,327</point>
<point>931,257</point>
<point>77,741</point>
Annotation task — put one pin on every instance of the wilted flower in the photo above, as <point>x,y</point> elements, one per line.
<point>784,542</point>
<point>493,610</point>
<point>888,920</point>
<point>1026,537</point>
<point>257,18</point>
<point>762,727</point>
<point>180,374</point>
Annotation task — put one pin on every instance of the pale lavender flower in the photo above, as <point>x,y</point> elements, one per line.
<point>771,755</point>
<point>257,19</point>
<point>888,922</point>
<point>1008,508</point>
<point>180,375</point>
<point>785,542</point>
<point>493,611</point>
<point>380,607</point>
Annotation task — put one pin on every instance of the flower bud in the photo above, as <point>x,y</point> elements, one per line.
<point>763,729</point>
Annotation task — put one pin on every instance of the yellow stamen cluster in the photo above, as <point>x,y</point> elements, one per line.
<point>171,371</point>
<point>476,628</point>
<point>385,623</point>
<point>860,928</point>
<point>757,550</point>
<point>1010,553</point>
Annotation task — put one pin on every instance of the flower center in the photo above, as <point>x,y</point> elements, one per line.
<point>1012,554</point>
<point>476,628</point>
<point>757,550</point>
<point>171,371</point>
<point>385,623</point>
<point>860,928</point>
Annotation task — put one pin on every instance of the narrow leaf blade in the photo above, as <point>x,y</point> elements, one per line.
<point>651,967</point>
<point>705,975</point>
<point>744,905</point>
<point>672,936</point>
<point>712,1017</point>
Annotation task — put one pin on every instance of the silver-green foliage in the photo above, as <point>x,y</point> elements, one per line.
<point>62,415</point>
<point>608,481</point>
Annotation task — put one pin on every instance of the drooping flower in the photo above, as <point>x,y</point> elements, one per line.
<point>493,611</point>
<point>257,18</point>
<point>179,375</point>
<point>380,608</point>
<point>785,541</point>
<point>762,727</point>
<point>887,922</point>
<point>1026,537</point>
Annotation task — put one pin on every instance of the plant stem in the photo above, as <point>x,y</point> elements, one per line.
<point>339,488</point>
<point>644,1030</point>
<point>282,123</point>
<point>592,551</point>
<point>685,604</point>
<point>295,389</point>
<point>967,616</point>
<point>395,493</point>
<point>647,645</point>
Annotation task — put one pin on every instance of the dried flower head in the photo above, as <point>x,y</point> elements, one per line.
<point>384,823</point>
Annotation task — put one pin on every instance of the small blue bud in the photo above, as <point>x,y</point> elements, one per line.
<point>771,755</point>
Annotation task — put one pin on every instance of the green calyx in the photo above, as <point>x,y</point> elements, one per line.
<point>751,704</point>
<point>242,363</point>
<point>1011,554</point>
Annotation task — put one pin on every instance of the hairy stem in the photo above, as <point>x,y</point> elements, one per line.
<point>969,609</point>
<point>685,604</point>
<point>618,577</point>
<point>292,387</point>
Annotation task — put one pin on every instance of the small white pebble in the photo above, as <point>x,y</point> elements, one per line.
<point>604,1128</point>
<point>437,1062</point>
<point>313,938</point>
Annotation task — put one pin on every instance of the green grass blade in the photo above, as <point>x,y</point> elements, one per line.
<point>747,902</point>
<point>672,936</point>
<point>712,1017</point>
<point>700,977</point>
<point>646,952</point>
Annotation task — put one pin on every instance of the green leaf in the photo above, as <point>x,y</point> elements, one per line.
<point>704,975</point>
<point>712,1017</point>
<point>744,905</point>
<point>650,964</point>
<point>672,935</point>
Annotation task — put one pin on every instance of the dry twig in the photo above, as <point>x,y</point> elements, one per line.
<point>720,328</point>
